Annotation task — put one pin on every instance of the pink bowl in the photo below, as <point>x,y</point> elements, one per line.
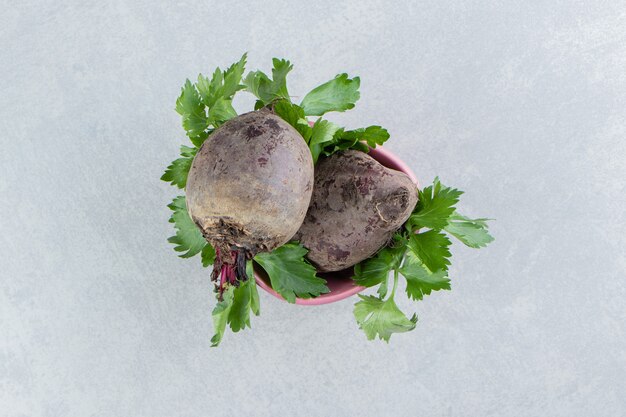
<point>340,283</point>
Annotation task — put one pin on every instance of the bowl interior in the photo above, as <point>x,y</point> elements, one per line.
<point>340,283</point>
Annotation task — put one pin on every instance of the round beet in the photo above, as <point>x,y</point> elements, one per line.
<point>356,207</point>
<point>248,189</point>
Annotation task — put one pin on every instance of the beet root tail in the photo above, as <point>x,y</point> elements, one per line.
<point>229,269</point>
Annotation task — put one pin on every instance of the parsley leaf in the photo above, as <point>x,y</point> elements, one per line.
<point>245,298</point>
<point>290,275</point>
<point>472,232</point>
<point>232,77</point>
<point>213,95</point>
<point>431,248</point>
<point>420,280</point>
<point>188,238</point>
<point>223,84</point>
<point>372,135</point>
<point>265,89</point>
<point>340,143</point>
<point>207,255</point>
<point>353,139</point>
<point>338,94</point>
<point>375,270</point>
<point>220,315</point>
<point>294,115</point>
<point>279,77</point>
<point>190,107</point>
<point>199,139</point>
<point>323,131</point>
<point>221,111</point>
<point>235,306</point>
<point>381,318</point>
<point>176,173</point>
<point>210,89</point>
<point>434,207</point>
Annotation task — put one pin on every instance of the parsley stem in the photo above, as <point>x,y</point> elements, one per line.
<point>395,283</point>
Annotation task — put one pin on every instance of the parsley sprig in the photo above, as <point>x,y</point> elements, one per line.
<point>420,253</point>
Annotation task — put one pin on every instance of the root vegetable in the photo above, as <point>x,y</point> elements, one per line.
<point>356,207</point>
<point>248,189</point>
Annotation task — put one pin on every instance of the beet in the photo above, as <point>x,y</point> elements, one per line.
<point>356,207</point>
<point>248,189</point>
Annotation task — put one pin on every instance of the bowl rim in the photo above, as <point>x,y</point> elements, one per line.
<point>334,296</point>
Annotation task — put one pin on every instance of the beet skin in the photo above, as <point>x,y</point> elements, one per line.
<point>249,186</point>
<point>356,207</point>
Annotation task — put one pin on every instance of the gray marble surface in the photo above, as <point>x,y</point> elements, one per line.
<point>520,104</point>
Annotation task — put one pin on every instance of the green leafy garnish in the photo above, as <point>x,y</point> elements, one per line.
<point>371,135</point>
<point>176,173</point>
<point>338,94</point>
<point>266,89</point>
<point>432,248</point>
<point>421,256</point>
<point>190,107</point>
<point>375,270</point>
<point>223,84</point>
<point>246,299</point>
<point>220,315</point>
<point>207,255</point>
<point>434,207</point>
<point>290,274</point>
<point>420,280</point>
<point>294,115</point>
<point>322,133</point>
<point>472,232</point>
<point>379,317</point>
<point>235,306</point>
<point>188,238</point>
<point>208,103</point>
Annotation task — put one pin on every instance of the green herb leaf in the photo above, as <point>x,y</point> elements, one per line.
<point>245,298</point>
<point>340,144</point>
<point>372,135</point>
<point>190,107</point>
<point>220,315</point>
<point>279,78</point>
<point>420,280</point>
<point>290,274</point>
<point>211,89</point>
<point>199,139</point>
<point>431,248</point>
<point>221,111</point>
<point>223,84</point>
<point>294,115</point>
<point>381,318</point>
<point>207,255</point>
<point>188,238</point>
<point>323,131</point>
<point>265,89</point>
<point>176,173</point>
<point>338,94</point>
<point>375,270</point>
<point>232,77</point>
<point>472,232</point>
<point>434,207</point>
<point>383,288</point>
<point>257,82</point>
